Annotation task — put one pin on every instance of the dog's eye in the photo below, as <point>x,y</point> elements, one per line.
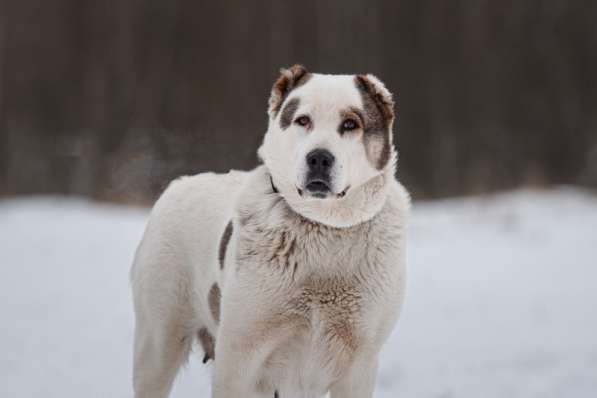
<point>303,121</point>
<point>349,124</point>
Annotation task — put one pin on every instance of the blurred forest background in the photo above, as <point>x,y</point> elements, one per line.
<point>113,98</point>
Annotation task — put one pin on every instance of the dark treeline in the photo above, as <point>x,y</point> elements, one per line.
<point>113,98</point>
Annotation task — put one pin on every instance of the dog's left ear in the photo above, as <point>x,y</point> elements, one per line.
<point>382,98</point>
<point>289,79</point>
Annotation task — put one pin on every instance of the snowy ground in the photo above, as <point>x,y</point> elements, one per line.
<point>502,300</point>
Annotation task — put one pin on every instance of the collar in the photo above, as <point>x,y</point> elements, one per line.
<point>271,180</point>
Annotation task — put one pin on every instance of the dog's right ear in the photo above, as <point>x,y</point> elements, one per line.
<point>289,79</point>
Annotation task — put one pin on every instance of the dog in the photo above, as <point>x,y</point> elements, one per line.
<point>290,276</point>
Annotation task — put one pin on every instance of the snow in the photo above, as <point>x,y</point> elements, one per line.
<point>501,302</point>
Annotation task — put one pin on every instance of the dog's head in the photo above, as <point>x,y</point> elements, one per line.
<point>329,144</point>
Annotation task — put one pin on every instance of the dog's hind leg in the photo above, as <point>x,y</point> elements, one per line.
<point>161,348</point>
<point>208,344</point>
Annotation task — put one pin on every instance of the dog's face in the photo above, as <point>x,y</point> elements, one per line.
<point>329,136</point>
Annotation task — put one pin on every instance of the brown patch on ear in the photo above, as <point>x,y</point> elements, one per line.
<point>208,344</point>
<point>288,113</point>
<point>379,117</point>
<point>382,98</point>
<point>213,300</point>
<point>224,243</point>
<point>289,79</point>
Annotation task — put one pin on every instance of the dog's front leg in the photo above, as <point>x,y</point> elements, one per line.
<point>237,366</point>
<point>359,379</point>
<point>250,329</point>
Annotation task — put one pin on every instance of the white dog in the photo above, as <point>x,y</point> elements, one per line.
<point>290,276</point>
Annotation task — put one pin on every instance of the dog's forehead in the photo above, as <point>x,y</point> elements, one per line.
<point>330,92</point>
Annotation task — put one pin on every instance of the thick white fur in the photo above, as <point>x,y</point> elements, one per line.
<point>311,287</point>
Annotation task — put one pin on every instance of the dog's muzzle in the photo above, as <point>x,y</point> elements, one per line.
<point>319,163</point>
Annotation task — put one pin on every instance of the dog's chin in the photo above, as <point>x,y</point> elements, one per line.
<point>342,207</point>
<point>319,190</point>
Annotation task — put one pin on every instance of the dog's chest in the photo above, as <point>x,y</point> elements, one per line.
<point>331,307</point>
<point>326,283</point>
<point>328,328</point>
<point>322,276</point>
<point>325,277</point>
<point>324,304</point>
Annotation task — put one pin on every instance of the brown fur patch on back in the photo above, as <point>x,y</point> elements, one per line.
<point>288,113</point>
<point>289,79</point>
<point>379,117</point>
<point>224,243</point>
<point>207,343</point>
<point>213,300</point>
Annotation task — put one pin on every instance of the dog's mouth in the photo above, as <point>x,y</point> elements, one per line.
<point>320,189</point>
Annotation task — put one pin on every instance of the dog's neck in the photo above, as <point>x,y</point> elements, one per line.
<point>360,204</point>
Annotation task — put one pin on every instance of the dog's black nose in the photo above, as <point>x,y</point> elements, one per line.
<point>320,161</point>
